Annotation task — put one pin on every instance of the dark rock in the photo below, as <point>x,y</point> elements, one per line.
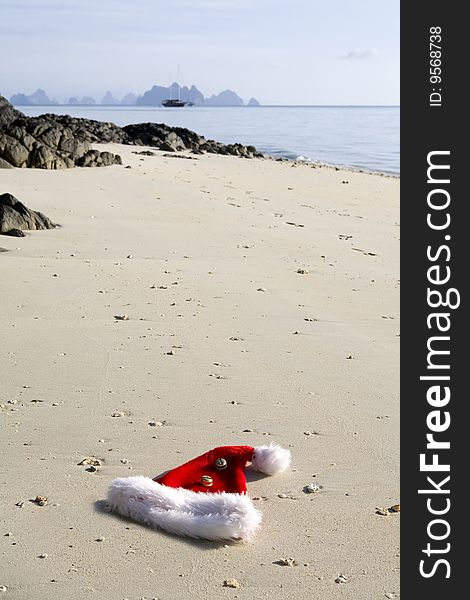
<point>174,139</point>
<point>90,130</point>
<point>15,216</point>
<point>7,113</point>
<point>55,141</point>
<point>107,159</point>
<point>61,141</point>
<point>4,164</point>
<point>180,156</point>
<point>156,135</point>
<point>14,233</point>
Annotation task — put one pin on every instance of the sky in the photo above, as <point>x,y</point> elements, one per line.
<point>279,51</point>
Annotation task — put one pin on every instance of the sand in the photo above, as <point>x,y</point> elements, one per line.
<point>196,252</point>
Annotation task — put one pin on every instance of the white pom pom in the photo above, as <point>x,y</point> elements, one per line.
<point>271,459</point>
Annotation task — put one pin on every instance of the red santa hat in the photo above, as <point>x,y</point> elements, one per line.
<point>203,498</point>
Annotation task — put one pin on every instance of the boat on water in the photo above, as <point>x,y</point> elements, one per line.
<point>174,103</point>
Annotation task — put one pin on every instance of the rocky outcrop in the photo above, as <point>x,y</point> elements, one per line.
<point>109,99</point>
<point>157,135</point>
<point>38,97</point>
<point>129,99</point>
<point>253,102</point>
<point>21,100</point>
<point>7,113</point>
<point>50,141</point>
<point>157,94</point>
<point>15,217</point>
<point>225,98</point>
<point>174,139</point>
<point>5,165</point>
<point>61,141</point>
<point>95,132</point>
<point>88,101</point>
<point>43,143</point>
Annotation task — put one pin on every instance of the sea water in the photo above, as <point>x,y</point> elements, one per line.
<point>364,137</point>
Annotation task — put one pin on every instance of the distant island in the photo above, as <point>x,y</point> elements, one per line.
<point>153,97</point>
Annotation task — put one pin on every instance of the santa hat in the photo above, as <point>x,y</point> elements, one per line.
<point>203,498</point>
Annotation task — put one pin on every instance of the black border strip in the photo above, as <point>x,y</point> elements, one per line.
<point>432,133</point>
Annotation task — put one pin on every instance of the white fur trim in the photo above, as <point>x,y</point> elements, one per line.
<point>211,516</point>
<point>271,459</point>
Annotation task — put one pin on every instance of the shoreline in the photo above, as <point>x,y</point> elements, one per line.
<point>231,139</point>
<point>338,167</point>
<point>263,305</point>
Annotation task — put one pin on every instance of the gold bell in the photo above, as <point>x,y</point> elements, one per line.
<point>221,464</point>
<point>206,480</point>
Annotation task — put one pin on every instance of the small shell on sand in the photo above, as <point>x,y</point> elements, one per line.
<point>302,271</point>
<point>311,488</point>
<point>232,583</point>
<point>286,562</point>
<point>118,414</point>
<point>384,512</point>
<point>121,317</point>
<point>43,555</point>
<point>155,423</point>
<point>90,460</point>
<point>41,500</point>
<point>341,579</point>
<point>3,588</point>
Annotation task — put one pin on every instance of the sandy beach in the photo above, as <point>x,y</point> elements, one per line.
<point>263,305</point>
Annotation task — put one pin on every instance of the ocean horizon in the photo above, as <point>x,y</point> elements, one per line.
<point>356,136</point>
